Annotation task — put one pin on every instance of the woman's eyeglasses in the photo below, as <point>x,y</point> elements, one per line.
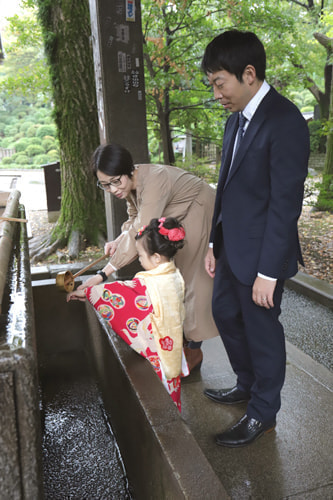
<point>106,185</point>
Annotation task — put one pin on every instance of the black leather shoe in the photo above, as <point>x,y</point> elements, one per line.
<point>244,432</point>
<point>227,396</point>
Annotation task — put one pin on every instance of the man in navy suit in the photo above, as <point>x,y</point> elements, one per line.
<point>254,243</point>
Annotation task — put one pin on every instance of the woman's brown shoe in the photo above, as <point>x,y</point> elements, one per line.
<point>194,358</point>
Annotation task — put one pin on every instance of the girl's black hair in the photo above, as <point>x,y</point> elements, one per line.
<point>155,242</point>
<point>112,160</point>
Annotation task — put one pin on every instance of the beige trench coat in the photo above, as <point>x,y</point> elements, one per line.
<point>166,191</point>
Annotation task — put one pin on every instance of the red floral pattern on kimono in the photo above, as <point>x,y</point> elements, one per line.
<point>126,306</point>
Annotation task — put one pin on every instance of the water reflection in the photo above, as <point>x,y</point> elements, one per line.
<point>80,454</point>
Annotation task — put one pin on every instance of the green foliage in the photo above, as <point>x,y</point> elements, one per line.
<point>31,132</point>
<point>5,141</point>
<point>34,144</point>
<point>24,71</point>
<point>325,197</point>
<point>201,168</point>
<point>53,155</point>
<point>21,145</point>
<point>175,36</point>
<point>26,124</point>
<point>22,159</point>
<point>42,159</point>
<point>36,140</point>
<point>303,99</point>
<point>317,137</point>
<point>7,160</point>
<point>46,130</point>
<point>48,144</point>
<point>10,130</point>
<point>34,150</point>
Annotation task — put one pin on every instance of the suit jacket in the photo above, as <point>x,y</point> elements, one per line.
<point>259,204</point>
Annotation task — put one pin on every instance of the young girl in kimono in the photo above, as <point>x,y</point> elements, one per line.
<point>148,311</point>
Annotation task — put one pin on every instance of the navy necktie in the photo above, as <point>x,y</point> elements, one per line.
<point>240,132</point>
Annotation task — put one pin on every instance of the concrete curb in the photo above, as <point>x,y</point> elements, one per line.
<point>314,288</point>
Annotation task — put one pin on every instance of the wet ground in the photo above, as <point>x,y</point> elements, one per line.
<point>294,461</point>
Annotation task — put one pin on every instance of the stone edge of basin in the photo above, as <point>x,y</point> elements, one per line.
<point>316,289</point>
<point>161,455</point>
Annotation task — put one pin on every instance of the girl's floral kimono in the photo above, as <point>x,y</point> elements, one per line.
<point>148,313</point>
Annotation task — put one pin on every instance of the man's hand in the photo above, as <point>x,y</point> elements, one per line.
<point>210,263</point>
<point>262,292</point>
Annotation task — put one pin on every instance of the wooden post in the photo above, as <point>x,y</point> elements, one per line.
<point>119,75</point>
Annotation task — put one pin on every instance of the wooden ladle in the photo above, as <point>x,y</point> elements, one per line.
<point>65,279</point>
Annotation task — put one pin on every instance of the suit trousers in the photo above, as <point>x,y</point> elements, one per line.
<point>254,340</point>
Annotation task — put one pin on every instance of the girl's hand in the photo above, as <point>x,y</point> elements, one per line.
<point>94,280</point>
<point>76,295</point>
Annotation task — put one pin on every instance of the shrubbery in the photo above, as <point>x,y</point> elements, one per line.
<point>45,130</point>
<point>29,130</point>
<point>34,150</point>
<point>317,138</point>
<point>42,160</point>
<point>21,144</point>
<point>22,159</point>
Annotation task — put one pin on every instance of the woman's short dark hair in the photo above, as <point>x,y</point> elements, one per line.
<point>112,159</point>
<point>155,242</point>
<point>232,51</point>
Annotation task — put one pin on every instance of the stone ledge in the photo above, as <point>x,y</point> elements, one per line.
<point>319,290</point>
<point>149,429</point>
<point>314,288</point>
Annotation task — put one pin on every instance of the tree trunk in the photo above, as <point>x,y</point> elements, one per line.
<point>66,32</point>
<point>325,198</point>
<point>324,98</point>
<point>164,124</point>
<point>328,167</point>
<point>2,55</point>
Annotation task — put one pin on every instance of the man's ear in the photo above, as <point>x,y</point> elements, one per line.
<point>249,74</point>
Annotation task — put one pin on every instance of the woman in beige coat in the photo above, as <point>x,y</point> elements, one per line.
<point>162,191</point>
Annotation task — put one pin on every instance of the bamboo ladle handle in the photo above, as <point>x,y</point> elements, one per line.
<point>65,279</point>
<point>90,265</point>
<point>13,219</point>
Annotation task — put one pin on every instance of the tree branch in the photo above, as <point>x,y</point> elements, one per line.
<point>324,40</point>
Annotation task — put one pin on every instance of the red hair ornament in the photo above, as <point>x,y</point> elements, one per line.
<point>174,234</point>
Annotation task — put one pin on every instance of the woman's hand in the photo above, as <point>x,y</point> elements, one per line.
<point>110,247</point>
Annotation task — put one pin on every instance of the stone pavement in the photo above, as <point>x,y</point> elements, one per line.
<point>294,461</point>
<point>31,185</point>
